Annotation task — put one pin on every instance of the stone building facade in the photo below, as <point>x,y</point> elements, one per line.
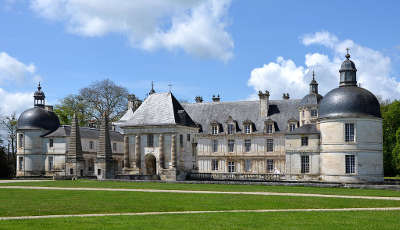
<point>335,138</point>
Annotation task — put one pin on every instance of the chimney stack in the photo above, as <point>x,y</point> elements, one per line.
<point>216,98</point>
<point>264,103</point>
<point>198,99</point>
<point>286,96</point>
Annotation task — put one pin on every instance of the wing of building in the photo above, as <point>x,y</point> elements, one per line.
<point>336,138</point>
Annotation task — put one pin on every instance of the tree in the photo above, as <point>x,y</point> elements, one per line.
<point>70,105</point>
<point>391,124</point>
<point>9,123</point>
<point>396,154</point>
<point>92,102</point>
<point>105,97</point>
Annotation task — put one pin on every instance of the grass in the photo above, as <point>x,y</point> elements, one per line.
<point>22,202</point>
<point>289,220</point>
<point>210,187</point>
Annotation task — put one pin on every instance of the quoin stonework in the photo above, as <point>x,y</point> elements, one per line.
<point>335,138</point>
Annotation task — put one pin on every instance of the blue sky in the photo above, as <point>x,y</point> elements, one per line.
<point>243,41</point>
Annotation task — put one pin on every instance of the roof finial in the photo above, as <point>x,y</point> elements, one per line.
<point>313,75</point>
<point>347,55</point>
<point>39,87</point>
<point>152,88</point>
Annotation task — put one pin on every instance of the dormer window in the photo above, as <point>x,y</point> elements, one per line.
<point>270,127</point>
<point>292,126</point>
<point>231,128</point>
<point>247,128</point>
<point>314,113</point>
<point>215,129</point>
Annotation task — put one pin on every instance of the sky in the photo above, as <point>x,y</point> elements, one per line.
<point>233,48</point>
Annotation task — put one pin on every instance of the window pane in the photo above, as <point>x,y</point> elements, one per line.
<point>230,128</point>
<point>231,145</point>
<point>247,165</point>
<point>305,164</point>
<point>150,140</point>
<point>214,165</point>
<point>215,146</point>
<point>231,166</point>
<point>270,166</point>
<point>349,132</point>
<point>270,145</point>
<point>350,164</point>
<point>247,145</point>
<point>304,141</point>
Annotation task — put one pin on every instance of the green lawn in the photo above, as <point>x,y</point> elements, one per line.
<point>21,202</point>
<point>210,187</point>
<point>364,220</point>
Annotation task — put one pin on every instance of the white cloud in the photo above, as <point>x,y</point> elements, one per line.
<point>374,69</point>
<point>12,71</point>
<point>197,27</point>
<point>14,102</point>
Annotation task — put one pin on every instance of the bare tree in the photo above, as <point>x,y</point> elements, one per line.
<point>9,123</point>
<point>105,97</point>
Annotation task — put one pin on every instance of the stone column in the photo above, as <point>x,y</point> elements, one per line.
<point>137,152</point>
<point>161,143</point>
<point>173,151</point>
<point>126,151</point>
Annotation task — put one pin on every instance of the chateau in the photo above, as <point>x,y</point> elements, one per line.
<point>335,138</point>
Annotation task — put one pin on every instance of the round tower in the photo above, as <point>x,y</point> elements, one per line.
<point>31,126</point>
<point>351,131</point>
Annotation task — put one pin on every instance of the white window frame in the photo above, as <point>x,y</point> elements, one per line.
<point>292,127</point>
<point>215,145</point>
<point>231,146</point>
<point>350,164</point>
<point>349,132</point>
<point>214,164</point>
<point>247,165</point>
<point>231,167</point>
<point>231,128</point>
<point>305,164</point>
<point>270,145</point>
<point>270,165</point>
<point>214,129</point>
<point>247,128</point>
<point>270,128</point>
<point>247,145</point>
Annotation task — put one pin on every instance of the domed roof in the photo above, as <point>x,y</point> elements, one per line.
<point>38,118</point>
<point>347,65</point>
<point>350,101</point>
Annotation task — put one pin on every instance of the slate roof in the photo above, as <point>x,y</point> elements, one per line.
<point>157,109</point>
<point>305,129</point>
<point>85,132</point>
<point>280,111</point>
<point>311,99</point>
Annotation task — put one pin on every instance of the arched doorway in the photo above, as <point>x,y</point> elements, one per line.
<point>150,161</point>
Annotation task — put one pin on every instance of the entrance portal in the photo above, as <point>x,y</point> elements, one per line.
<point>150,162</point>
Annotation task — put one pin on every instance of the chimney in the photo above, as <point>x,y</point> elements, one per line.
<point>48,108</point>
<point>264,103</point>
<point>216,98</point>
<point>133,102</point>
<point>198,99</point>
<point>286,96</point>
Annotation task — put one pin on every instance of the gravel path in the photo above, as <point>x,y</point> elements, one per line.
<point>200,212</point>
<point>202,192</point>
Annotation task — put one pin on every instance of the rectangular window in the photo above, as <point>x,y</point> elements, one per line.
<point>187,137</point>
<point>349,132</point>
<point>51,143</point>
<point>91,145</point>
<point>98,172</point>
<point>114,147</point>
<point>247,165</point>
<point>231,145</point>
<point>247,145</point>
<point>350,164</point>
<point>214,165</point>
<point>231,166</point>
<point>269,128</point>
<point>304,141</point>
<point>270,145</point>
<point>230,128</point>
<point>215,146</point>
<point>20,163</point>
<point>91,165</point>
<point>314,113</point>
<point>292,127</point>
<point>181,141</point>
<point>305,164</point>
<point>150,140</point>
<point>247,129</point>
<point>20,140</point>
<point>270,165</point>
<point>71,171</point>
<point>214,129</point>
<point>51,163</point>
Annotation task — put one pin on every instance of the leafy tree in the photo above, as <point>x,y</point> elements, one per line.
<point>92,102</point>
<point>391,124</point>
<point>396,153</point>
